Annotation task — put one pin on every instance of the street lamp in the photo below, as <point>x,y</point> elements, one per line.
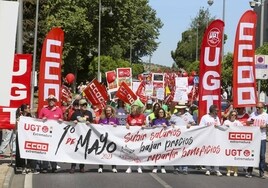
<point>252,5</point>
<point>210,2</point>
<point>99,38</point>
<point>34,53</point>
<point>259,3</point>
<point>196,44</point>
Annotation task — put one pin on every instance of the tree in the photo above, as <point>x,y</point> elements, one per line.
<point>189,46</point>
<point>134,23</point>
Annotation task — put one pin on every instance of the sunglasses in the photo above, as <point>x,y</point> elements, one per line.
<point>85,104</point>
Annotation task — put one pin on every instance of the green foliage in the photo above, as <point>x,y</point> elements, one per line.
<point>227,70</point>
<point>186,55</point>
<point>133,24</point>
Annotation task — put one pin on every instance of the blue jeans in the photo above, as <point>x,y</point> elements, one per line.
<point>262,157</point>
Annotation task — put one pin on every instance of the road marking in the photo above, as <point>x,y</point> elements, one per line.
<point>28,182</point>
<point>157,178</point>
<point>161,181</point>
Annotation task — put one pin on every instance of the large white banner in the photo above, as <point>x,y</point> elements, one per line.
<point>8,28</point>
<point>100,144</point>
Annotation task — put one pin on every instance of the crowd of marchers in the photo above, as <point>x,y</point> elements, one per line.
<point>155,113</point>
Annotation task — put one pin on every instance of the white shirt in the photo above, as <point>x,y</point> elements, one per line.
<point>260,119</point>
<point>208,120</point>
<point>182,120</point>
<point>232,123</point>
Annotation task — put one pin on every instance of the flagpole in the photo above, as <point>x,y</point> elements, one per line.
<point>34,54</point>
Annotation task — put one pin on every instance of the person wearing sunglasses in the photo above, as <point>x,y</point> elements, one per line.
<point>81,115</point>
<point>259,118</point>
<point>232,121</point>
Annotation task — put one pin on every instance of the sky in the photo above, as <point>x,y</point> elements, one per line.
<point>176,15</point>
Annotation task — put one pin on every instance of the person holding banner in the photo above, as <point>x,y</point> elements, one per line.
<point>135,118</point>
<point>211,119</point>
<point>232,121</point>
<point>181,118</point>
<point>84,116</point>
<point>53,112</point>
<point>160,121</point>
<point>108,117</point>
<point>28,165</point>
<point>259,118</point>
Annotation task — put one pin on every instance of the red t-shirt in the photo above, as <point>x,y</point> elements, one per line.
<point>243,118</point>
<point>137,120</point>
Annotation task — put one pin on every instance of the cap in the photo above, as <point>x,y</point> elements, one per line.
<point>181,105</point>
<point>82,101</point>
<point>52,97</point>
<point>149,101</point>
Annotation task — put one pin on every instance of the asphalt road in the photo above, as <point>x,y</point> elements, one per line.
<point>92,179</point>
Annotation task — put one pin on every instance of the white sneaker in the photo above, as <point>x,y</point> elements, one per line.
<point>128,171</point>
<point>24,171</point>
<point>114,170</point>
<point>228,174</point>
<point>163,171</point>
<point>235,174</point>
<point>100,170</point>
<point>207,173</point>
<point>139,170</point>
<point>154,170</point>
<point>218,173</point>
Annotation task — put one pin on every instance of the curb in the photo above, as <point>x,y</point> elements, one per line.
<point>8,178</point>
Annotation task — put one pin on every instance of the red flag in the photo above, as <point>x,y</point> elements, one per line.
<point>126,94</point>
<point>140,92</point>
<point>96,93</point>
<point>20,90</point>
<point>50,67</point>
<point>244,82</point>
<point>210,68</point>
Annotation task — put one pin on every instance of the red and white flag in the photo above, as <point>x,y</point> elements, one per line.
<point>20,90</point>
<point>141,93</point>
<point>126,94</point>
<point>210,68</point>
<point>96,93</point>
<point>244,82</point>
<point>50,67</point>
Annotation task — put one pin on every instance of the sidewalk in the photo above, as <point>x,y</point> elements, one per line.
<point>6,171</point>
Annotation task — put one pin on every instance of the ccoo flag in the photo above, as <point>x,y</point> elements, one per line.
<point>244,82</point>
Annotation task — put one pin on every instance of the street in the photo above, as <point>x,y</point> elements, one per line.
<point>92,179</point>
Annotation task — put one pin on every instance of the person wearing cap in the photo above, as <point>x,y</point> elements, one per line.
<point>181,118</point>
<point>52,112</point>
<point>149,107</point>
<point>211,119</point>
<point>84,116</point>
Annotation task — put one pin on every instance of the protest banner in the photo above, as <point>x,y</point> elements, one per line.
<point>106,144</point>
